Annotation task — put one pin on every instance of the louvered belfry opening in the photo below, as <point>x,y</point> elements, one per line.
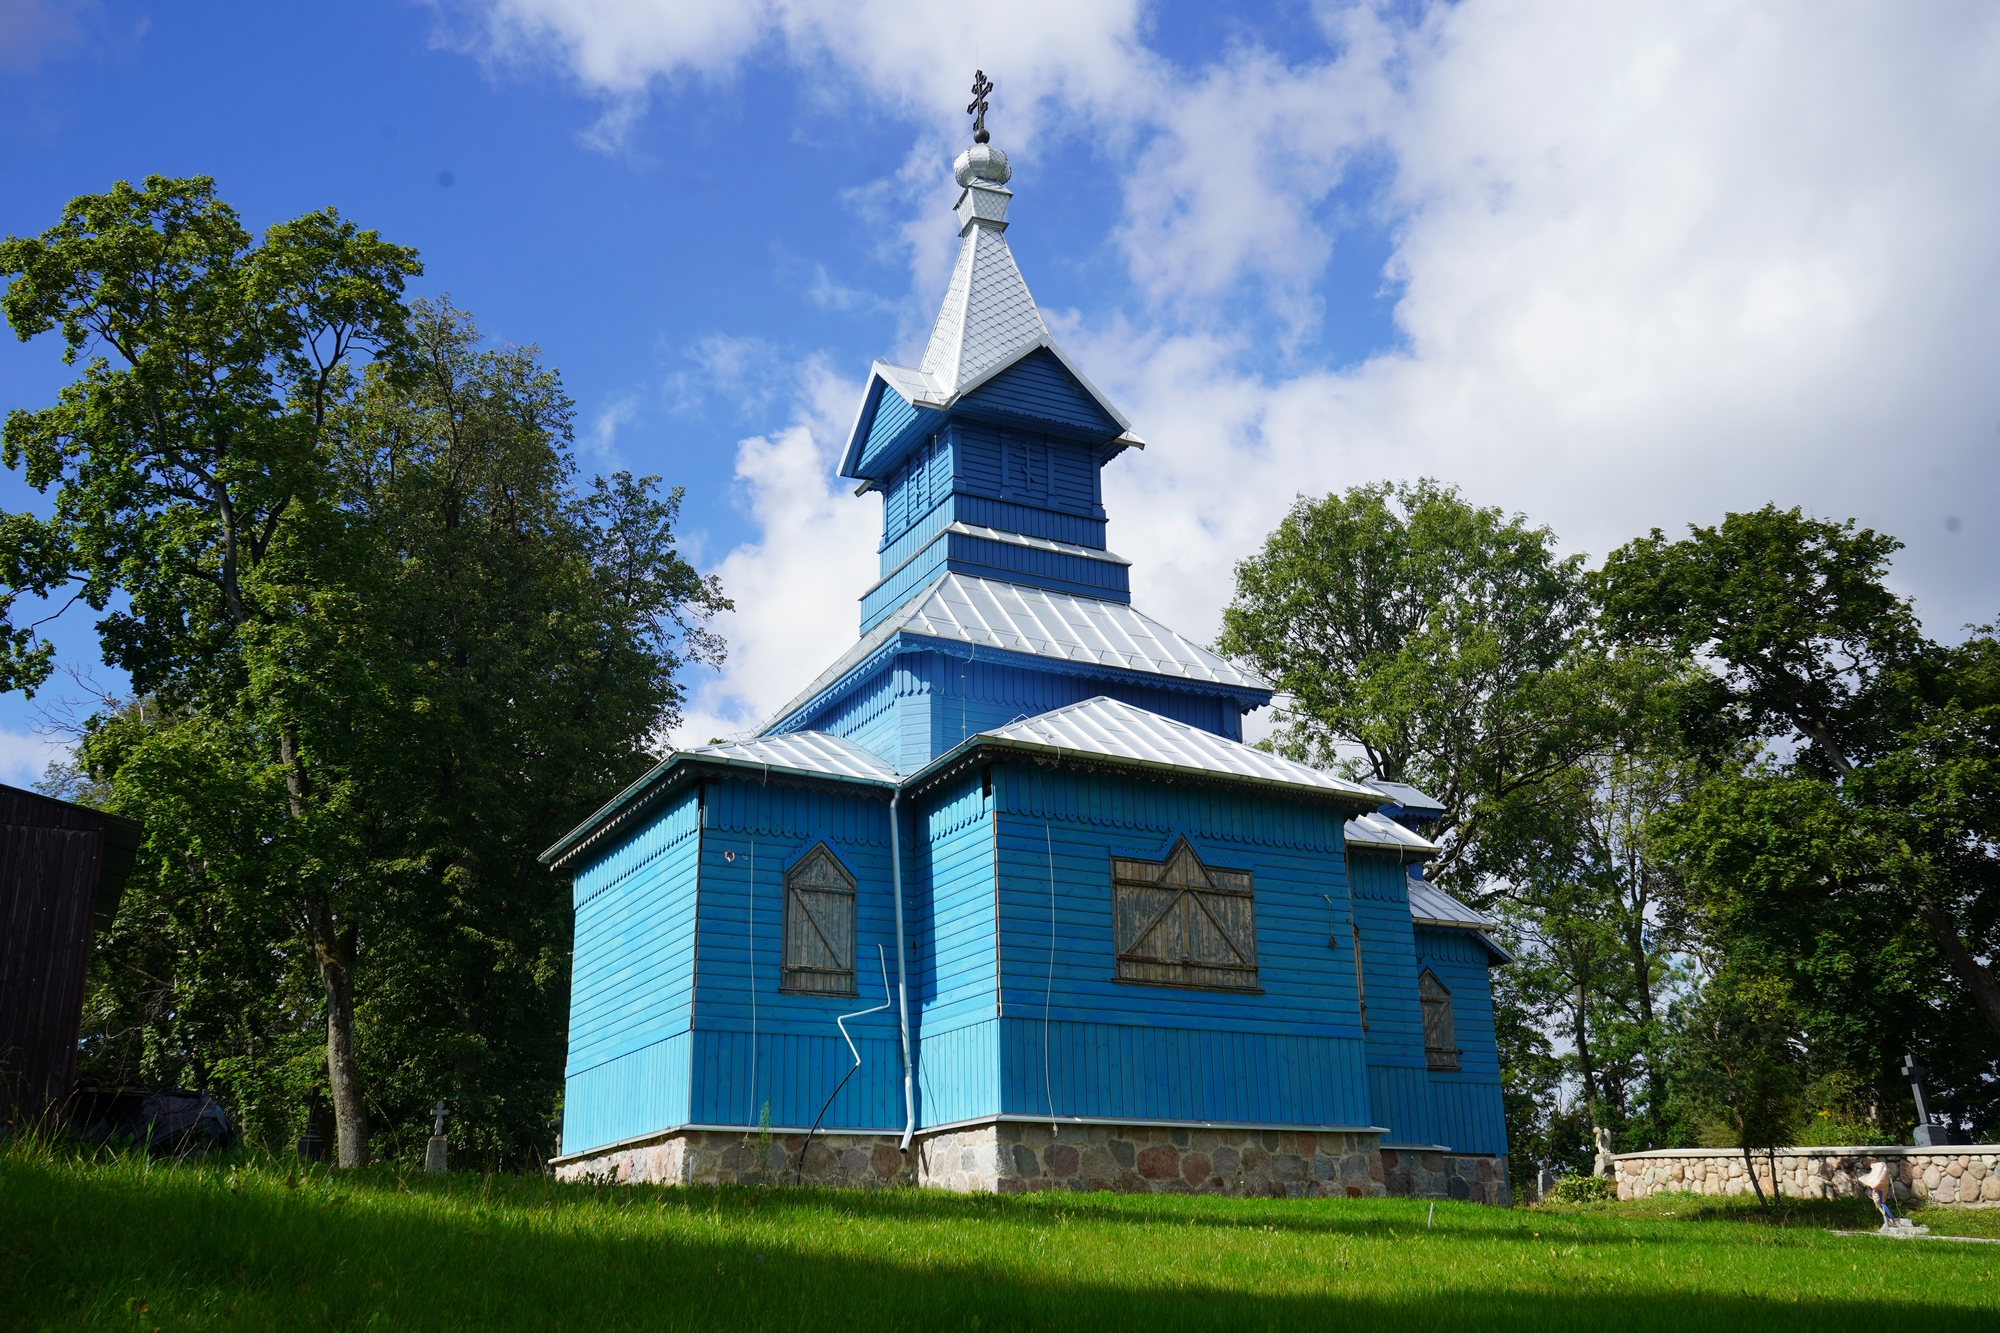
<point>1440,1041</point>
<point>819,926</point>
<point>1178,922</point>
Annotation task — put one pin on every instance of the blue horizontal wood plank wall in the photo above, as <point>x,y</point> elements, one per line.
<point>631,987</point>
<point>1466,1103</point>
<point>756,830</point>
<point>953,942</point>
<point>1291,1054</point>
<point>1395,1019</point>
<point>1039,386</point>
<point>633,965</point>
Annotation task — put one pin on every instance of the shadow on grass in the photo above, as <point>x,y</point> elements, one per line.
<point>88,1247</point>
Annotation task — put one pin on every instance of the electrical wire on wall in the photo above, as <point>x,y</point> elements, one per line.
<point>841,1023</point>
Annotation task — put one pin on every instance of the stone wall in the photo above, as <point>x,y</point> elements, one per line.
<point>1957,1176</point>
<point>1013,1157</point>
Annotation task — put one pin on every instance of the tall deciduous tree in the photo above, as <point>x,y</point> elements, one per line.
<point>390,650</point>
<point>186,454</point>
<point>1871,830</point>
<point>1422,633</point>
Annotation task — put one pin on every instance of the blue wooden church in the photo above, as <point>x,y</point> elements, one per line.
<point>1000,901</point>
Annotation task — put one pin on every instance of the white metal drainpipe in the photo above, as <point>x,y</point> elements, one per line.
<point>902,984</point>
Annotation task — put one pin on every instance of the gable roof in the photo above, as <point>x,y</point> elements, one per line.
<point>1378,832</point>
<point>987,323</point>
<point>1012,617</point>
<point>1109,729</point>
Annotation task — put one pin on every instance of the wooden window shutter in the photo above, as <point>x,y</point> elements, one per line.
<point>1440,1039</point>
<point>819,926</point>
<point>1179,923</point>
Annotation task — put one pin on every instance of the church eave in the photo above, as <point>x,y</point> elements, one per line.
<point>669,778</point>
<point>885,377</point>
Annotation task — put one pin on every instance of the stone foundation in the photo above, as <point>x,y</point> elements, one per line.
<point>1411,1173</point>
<point>1015,1157</point>
<point>1930,1175</point>
<point>730,1157</point>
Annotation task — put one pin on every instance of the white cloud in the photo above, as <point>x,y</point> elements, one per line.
<point>23,757</point>
<point>795,589</point>
<point>913,55</point>
<point>1657,260</point>
<point>1660,261</point>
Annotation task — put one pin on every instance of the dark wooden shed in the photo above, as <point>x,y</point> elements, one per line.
<point>62,870</point>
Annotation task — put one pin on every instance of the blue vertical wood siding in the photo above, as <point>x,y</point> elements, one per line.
<point>641,1092</point>
<point>677,1015</point>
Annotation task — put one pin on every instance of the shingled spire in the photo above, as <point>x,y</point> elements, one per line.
<point>988,317</point>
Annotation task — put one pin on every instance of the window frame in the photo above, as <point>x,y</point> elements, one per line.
<point>792,965</point>
<point>1443,1058</point>
<point>1199,902</point>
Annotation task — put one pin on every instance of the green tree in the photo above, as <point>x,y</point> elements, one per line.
<point>388,649</point>
<point>1858,863</point>
<point>1420,639</point>
<point>1741,1061</point>
<point>184,457</point>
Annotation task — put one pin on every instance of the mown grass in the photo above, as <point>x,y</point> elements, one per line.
<point>127,1244</point>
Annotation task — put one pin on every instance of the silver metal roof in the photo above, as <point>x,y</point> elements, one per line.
<point>1039,543</point>
<point>1432,906</point>
<point>987,613</point>
<point>1403,794</point>
<point>988,317</point>
<point>1384,833</point>
<point>801,752</point>
<point>1110,729</point>
<point>987,322</point>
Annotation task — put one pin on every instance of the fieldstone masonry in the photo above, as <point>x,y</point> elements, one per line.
<point>1969,1176</point>
<point>1014,1157</point>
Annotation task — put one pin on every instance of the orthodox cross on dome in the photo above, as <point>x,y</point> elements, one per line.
<point>980,87</point>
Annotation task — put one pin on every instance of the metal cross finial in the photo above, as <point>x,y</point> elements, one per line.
<point>438,1111</point>
<point>980,87</point>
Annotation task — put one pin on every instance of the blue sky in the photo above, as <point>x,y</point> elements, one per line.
<point>1615,270</point>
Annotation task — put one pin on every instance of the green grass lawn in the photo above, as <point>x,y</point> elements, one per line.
<point>123,1244</point>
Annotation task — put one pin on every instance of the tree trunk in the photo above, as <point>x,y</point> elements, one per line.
<point>343,1070</point>
<point>1750,1170</point>
<point>1977,978</point>
<point>334,951</point>
<point>1583,1052</point>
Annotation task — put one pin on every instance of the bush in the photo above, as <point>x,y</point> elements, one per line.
<point>1579,1188</point>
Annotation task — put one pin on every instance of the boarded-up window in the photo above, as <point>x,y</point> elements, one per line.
<point>819,926</point>
<point>1179,923</point>
<point>1440,1041</point>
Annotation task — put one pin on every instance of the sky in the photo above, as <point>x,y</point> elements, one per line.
<point>1614,267</point>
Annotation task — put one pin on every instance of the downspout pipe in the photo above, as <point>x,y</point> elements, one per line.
<point>902,976</point>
